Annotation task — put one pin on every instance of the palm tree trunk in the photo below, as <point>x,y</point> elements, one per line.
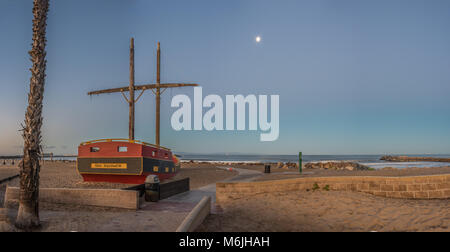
<point>28,215</point>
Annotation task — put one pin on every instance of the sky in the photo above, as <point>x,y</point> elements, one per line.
<point>354,77</point>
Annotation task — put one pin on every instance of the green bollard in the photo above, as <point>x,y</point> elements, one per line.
<point>300,163</point>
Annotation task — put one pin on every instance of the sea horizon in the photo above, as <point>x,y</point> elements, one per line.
<point>371,160</point>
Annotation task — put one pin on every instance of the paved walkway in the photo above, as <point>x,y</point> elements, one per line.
<point>194,196</point>
<point>166,215</point>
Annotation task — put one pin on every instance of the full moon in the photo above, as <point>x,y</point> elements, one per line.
<point>258,39</point>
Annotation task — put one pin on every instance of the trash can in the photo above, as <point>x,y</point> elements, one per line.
<point>152,188</point>
<point>267,169</point>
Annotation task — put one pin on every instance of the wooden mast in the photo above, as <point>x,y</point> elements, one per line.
<point>158,95</point>
<point>156,88</point>
<point>131,100</point>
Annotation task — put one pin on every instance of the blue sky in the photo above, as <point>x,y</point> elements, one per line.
<point>354,77</point>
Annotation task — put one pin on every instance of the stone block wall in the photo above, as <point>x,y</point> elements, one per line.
<point>418,187</point>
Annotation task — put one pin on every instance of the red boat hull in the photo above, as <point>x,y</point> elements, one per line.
<point>124,161</point>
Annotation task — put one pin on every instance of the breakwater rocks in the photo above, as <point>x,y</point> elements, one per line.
<point>286,166</point>
<point>221,162</point>
<point>344,166</point>
<point>413,159</point>
<point>279,165</point>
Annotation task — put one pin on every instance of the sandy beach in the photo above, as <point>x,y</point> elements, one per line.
<point>279,173</point>
<point>387,172</point>
<point>328,212</point>
<point>332,211</point>
<point>66,218</point>
<point>290,211</point>
<point>65,175</point>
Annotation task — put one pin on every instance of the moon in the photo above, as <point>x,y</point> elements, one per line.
<point>258,39</point>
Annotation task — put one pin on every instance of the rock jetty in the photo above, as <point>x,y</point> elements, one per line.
<point>413,159</point>
<point>343,166</point>
<point>281,165</point>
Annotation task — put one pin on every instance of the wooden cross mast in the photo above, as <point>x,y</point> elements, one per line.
<point>156,89</point>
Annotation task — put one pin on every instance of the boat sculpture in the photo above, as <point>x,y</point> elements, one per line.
<point>124,161</point>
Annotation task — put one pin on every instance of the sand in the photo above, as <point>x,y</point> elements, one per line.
<point>328,212</point>
<point>66,218</point>
<point>64,175</point>
<point>291,211</point>
<point>8,171</point>
<point>277,174</point>
<point>203,174</point>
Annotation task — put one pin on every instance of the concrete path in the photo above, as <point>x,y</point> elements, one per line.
<point>166,215</point>
<point>194,196</point>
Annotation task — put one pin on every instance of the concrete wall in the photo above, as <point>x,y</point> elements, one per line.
<point>420,187</point>
<point>196,217</point>
<point>90,197</point>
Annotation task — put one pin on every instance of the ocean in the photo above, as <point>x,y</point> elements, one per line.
<point>369,160</point>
